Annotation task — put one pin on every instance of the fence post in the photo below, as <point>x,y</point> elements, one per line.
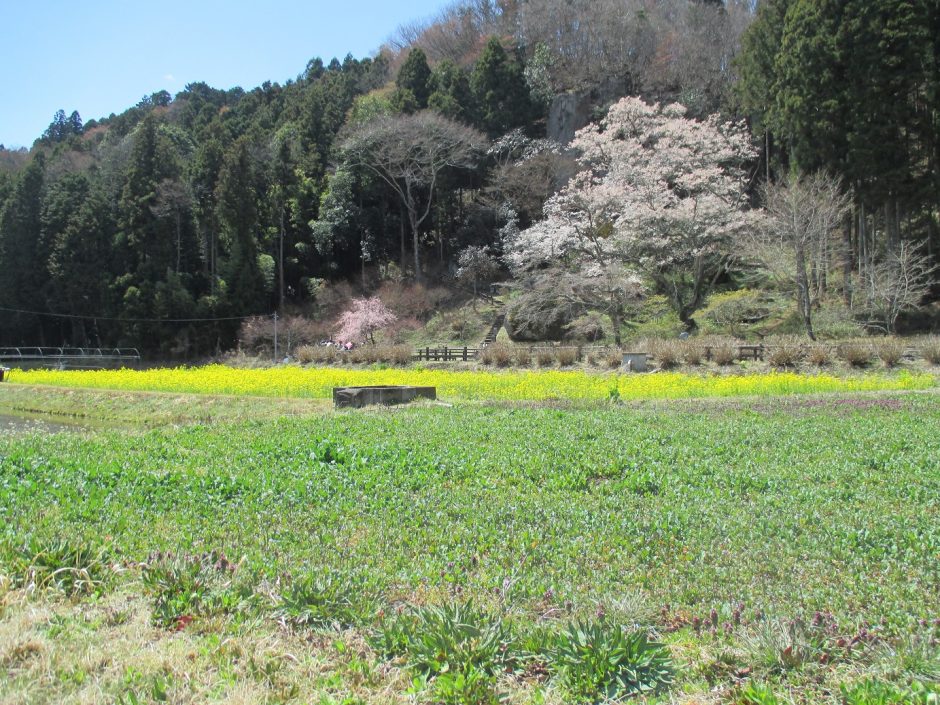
<point>464,353</point>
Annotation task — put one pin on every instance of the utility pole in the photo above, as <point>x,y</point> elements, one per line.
<point>275,336</point>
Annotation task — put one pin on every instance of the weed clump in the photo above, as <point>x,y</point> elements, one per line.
<point>74,567</point>
<point>460,649</point>
<point>819,355</point>
<point>786,352</point>
<point>667,353</point>
<point>890,351</point>
<point>856,354</point>
<point>600,660</point>
<point>567,356</point>
<point>930,349</point>
<point>193,585</point>
<point>725,353</point>
<point>325,600</point>
<point>544,357</point>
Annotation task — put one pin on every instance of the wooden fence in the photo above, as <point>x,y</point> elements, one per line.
<point>467,354</point>
<point>446,354</point>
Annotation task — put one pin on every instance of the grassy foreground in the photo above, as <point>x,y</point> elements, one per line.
<point>247,551</point>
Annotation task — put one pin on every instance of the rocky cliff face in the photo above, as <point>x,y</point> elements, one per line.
<point>573,110</point>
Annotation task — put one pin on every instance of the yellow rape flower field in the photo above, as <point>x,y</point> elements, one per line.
<point>317,383</point>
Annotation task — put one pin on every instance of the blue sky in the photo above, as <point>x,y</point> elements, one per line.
<point>102,56</point>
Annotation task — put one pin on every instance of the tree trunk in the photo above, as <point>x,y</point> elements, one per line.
<point>179,240</point>
<point>803,292</point>
<point>615,320</point>
<point>401,261</point>
<point>413,217</point>
<point>847,262</point>
<point>280,259</point>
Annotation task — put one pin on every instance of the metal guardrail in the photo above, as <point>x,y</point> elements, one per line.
<point>69,357</point>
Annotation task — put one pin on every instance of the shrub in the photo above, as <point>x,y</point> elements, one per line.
<point>523,356</point>
<point>500,353</point>
<point>785,352</point>
<point>412,300</point>
<point>819,355</point>
<point>729,312</point>
<point>539,315</point>
<point>257,333</point>
<point>614,359</point>
<point>401,354</point>
<point>544,357</point>
<point>692,352</point>
<point>725,353</point>
<point>890,350</point>
<point>589,328</point>
<point>316,354</point>
<point>930,350</point>
<point>857,354</point>
<point>666,352</point>
<point>599,660</point>
<point>567,356</point>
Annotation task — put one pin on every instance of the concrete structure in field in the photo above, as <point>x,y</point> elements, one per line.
<point>358,397</point>
<point>634,362</point>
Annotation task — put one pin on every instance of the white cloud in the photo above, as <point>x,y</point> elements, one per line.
<point>169,77</point>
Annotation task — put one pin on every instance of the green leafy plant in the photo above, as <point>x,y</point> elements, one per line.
<point>876,693</point>
<point>756,694</point>
<point>450,638</point>
<point>72,566</point>
<point>327,599</point>
<point>471,686</point>
<point>783,645</point>
<point>186,586</point>
<point>599,660</point>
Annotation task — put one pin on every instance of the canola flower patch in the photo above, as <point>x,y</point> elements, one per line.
<point>317,383</point>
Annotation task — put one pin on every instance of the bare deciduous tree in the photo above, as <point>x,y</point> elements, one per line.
<point>897,283</point>
<point>801,214</point>
<point>409,153</point>
<point>476,266</point>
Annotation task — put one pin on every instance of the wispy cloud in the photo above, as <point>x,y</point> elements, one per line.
<point>169,77</point>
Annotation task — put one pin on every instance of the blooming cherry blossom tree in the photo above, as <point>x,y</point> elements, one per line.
<point>364,318</point>
<point>660,198</point>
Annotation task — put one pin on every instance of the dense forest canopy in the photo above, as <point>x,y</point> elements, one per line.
<point>164,226</point>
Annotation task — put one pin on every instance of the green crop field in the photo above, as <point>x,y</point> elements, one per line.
<point>760,551</point>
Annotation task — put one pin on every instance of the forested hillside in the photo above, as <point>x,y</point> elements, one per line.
<point>454,146</point>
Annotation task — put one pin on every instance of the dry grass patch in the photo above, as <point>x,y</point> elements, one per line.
<point>108,652</point>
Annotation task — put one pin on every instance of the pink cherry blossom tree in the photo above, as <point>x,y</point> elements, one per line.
<point>364,318</point>
<point>660,199</point>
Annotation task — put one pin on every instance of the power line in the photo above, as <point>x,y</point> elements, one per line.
<point>133,320</point>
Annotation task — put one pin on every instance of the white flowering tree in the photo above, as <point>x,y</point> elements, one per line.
<point>659,200</point>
